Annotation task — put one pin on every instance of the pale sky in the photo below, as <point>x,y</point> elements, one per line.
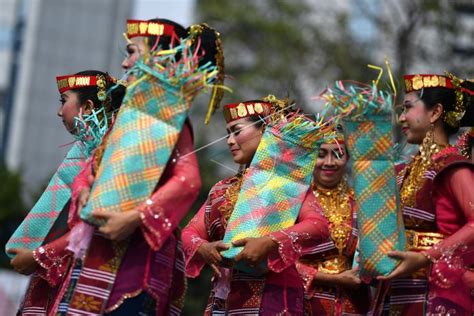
<point>180,11</point>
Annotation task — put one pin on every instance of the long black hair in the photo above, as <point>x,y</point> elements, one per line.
<point>447,98</point>
<point>208,38</point>
<point>114,97</point>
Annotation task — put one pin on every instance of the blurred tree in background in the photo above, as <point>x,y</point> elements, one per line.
<point>271,46</point>
<point>11,208</point>
<point>283,46</point>
<point>421,34</point>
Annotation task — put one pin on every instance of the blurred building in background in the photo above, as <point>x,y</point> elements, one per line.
<point>39,40</point>
<point>7,27</point>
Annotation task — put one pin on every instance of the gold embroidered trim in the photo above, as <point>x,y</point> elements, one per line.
<point>422,240</point>
<point>414,181</point>
<point>122,299</point>
<point>230,197</point>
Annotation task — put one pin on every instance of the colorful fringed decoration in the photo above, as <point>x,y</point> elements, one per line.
<point>37,224</point>
<point>368,133</point>
<point>276,182</point>
<point>91,128</point>
<point>147,129</point>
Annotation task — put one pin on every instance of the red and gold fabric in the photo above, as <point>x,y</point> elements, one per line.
<point>439,220</point>
<point>423,81</point>
<point>156,242</point>
<point>137,28</point>
<point>275,292</point>
<point>334,256</point>
<point>236,111</point>
<point>109,271</point>
<point>69,82</point>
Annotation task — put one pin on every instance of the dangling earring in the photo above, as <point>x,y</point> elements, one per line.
<point>428,148</point>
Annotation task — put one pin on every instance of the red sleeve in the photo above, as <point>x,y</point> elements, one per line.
<point>53,260</point>
<point>307,273</point>
<point>193,235</point>
<point>456,187</point>
<point>311,228</point>
<point>164,210</point>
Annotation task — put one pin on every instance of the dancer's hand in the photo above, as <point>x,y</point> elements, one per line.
<point>410,262</point>
<point>118,226</point>
<point>468,279</point>
<point>349,279</point>
<point>84,194</point>
<point>23,262</point>
<point>210,252</point>
<point>255,249</point>
<point>83,198</point>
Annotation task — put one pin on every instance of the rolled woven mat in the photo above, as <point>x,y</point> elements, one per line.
<point>276,182</point>
<point>369,139</point>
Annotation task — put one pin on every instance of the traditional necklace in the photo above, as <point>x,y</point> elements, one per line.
<point>414,181</point>
<point>337,209</point>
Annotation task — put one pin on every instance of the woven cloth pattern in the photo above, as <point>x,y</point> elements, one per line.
<point>138,149</point>
<point>369,139</point>
<point>276,182</point>
<point>147,129</point>
<point>380,222</point>
<point>37,224</point>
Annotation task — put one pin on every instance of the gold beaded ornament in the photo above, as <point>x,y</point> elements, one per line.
<point>217,94</point>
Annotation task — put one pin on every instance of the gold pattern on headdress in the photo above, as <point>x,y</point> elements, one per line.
<point>132,28</point>
<point>218,89</point>
<point>195,31</point>
<point>101,87</point>
<point>454,117</point>
<point>71,81</point>
<point>280,108</point>
<point>63,83</point>
<point>145,28</point>
<point>156,29</point>
<point>243,110</point>
<point>419,82</point>
<point>83,81</point>
<point>74,81</point>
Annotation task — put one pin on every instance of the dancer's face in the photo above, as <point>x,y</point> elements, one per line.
<point>243,138</point>
<point>330,166</point>
<point>415,118</point>
<point>134,51</point>
<point>70,108</point>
